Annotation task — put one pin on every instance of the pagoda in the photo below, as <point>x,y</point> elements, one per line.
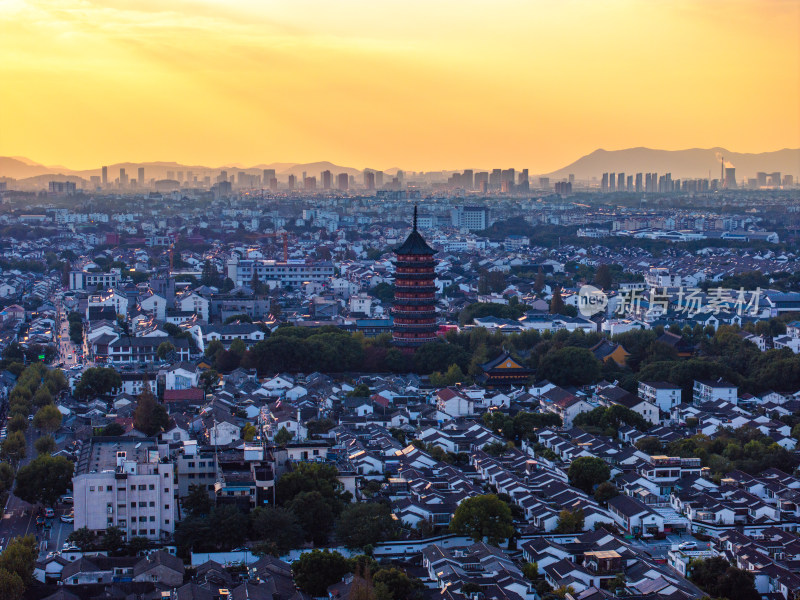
<point>414,309</point>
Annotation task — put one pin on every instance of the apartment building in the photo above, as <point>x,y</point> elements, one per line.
<point>124,482</point>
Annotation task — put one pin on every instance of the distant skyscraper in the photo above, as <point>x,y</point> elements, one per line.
<point>788,181</point>
<point>604,183</point>
<point>105,175</point>
<point>639,186</point>
<point>544,183</point>
<point>775,179</point>
<point>761,179</point>
<point>468,179</point>
<point>266,176</point>
<point>495,179</point>
<point>310,184</point>
<point>273,184</point>
<point>292,182</point>
<point>378,179</point>
<point>523,177</point>
<point>369,180</point>
<point>327,180</point>
<point>612,182</point>
<point>481,181</point>
<point>730,178</point>
<point>620,182</point>
<point>342,181</point>
<point>571,179</point>
<point>140,176</point>
<point>180,176</point>
<point>123,178</point>
<point>629,184</point>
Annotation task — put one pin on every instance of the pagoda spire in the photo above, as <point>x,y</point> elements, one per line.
<point>415,217</point>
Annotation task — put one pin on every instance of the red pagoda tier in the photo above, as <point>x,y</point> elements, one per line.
<point>414,309</point>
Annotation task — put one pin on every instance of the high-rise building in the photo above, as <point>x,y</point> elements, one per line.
<point>495,179</point>
<point>414,309</point>
<point>105,176</point>
<point>140,176</point>
<point>266,177</point>
<point>327,180</point>
<point>788,181</point>
<point>620,182</point>
<point>481,181</point>
<point>292,182</point>
<point>180,176</point>
<point>639,186</point>
<point>544,183</point>
<point>123,178</point>
<point>730,178</point>
<point>629,184</point>
<point>273,184</point>
<point>473,218</point>
<point>369,180</point>
<point>507,180</point>
<point>342,181</point>
<point>378,179</point>
<point>775,179</point>
<point>468,179</point>
<point>571,179</point>
<point>612,182</point>
<point>604,183</point>
<point>761,179</point>
<point>310,184</point>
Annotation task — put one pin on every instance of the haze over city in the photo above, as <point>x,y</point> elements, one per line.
<point>415,85</point>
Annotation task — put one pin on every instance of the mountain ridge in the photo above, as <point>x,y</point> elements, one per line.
<point>687,163</point>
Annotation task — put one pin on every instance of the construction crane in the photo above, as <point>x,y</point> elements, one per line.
<point>285,236</point>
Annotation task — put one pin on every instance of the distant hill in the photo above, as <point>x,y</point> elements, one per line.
<point>693,163</point>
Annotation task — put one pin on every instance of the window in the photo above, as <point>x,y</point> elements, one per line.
<point>109,488</point>
<point>152,503</point>
<point>151,487</point>
<point>91,488</point>
<point>142,504</point>
<point>142,487</point>
<point>166,507</point>
<point>166,521</point>
<point>152,532</point>
<point>133,504</point>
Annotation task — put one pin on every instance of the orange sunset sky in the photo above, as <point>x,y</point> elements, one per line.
<point>414,84</point>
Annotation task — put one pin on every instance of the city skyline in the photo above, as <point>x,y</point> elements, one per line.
<point>412,86</point>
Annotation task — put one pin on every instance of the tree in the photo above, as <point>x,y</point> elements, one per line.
<point>209,380</point>
<point>97,381</point>
<point>586,472</point>
<point>719,579</point>
<point>18,423</point>
<point>42,397</point>
<point>19,557</point>
<point>150,416</point>
<point>453,376</point>
<point>649,445</point>
<point>48,418</point>
<point>539,283</point>
<point>311,477</point>
<point>11,585</point>
<point>230,520</point>
<point>602,278</point>
<point>605,491</point>
<point>531,571</point>
<point>248,432</point>
<point>44,479</point>
<point>13,448</point>
<point>283,437</point>
<point>482,517</point>
<point>570,521</point>
<point>557,306</point>
<point>113,539</point>
<point>315,571</point>
<point>197,502</point>
<point>83,538</point>
<point>164,350</point>
<point>6,477</point>
<point>277,529</point>
<point>113,430</point>
<point>45,445</point>
<point>570,366</point>
<point>394,584</point>
<point>316,514</point>
<point>364,524</point>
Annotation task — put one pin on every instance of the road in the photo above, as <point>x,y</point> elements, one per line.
<point>67,351</point>
<point>19,517</point>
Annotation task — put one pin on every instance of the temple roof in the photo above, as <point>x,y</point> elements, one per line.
<point>415,244</point>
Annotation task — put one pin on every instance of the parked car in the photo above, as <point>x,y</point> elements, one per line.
<point>687,546</point>
<point>67,519</point>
